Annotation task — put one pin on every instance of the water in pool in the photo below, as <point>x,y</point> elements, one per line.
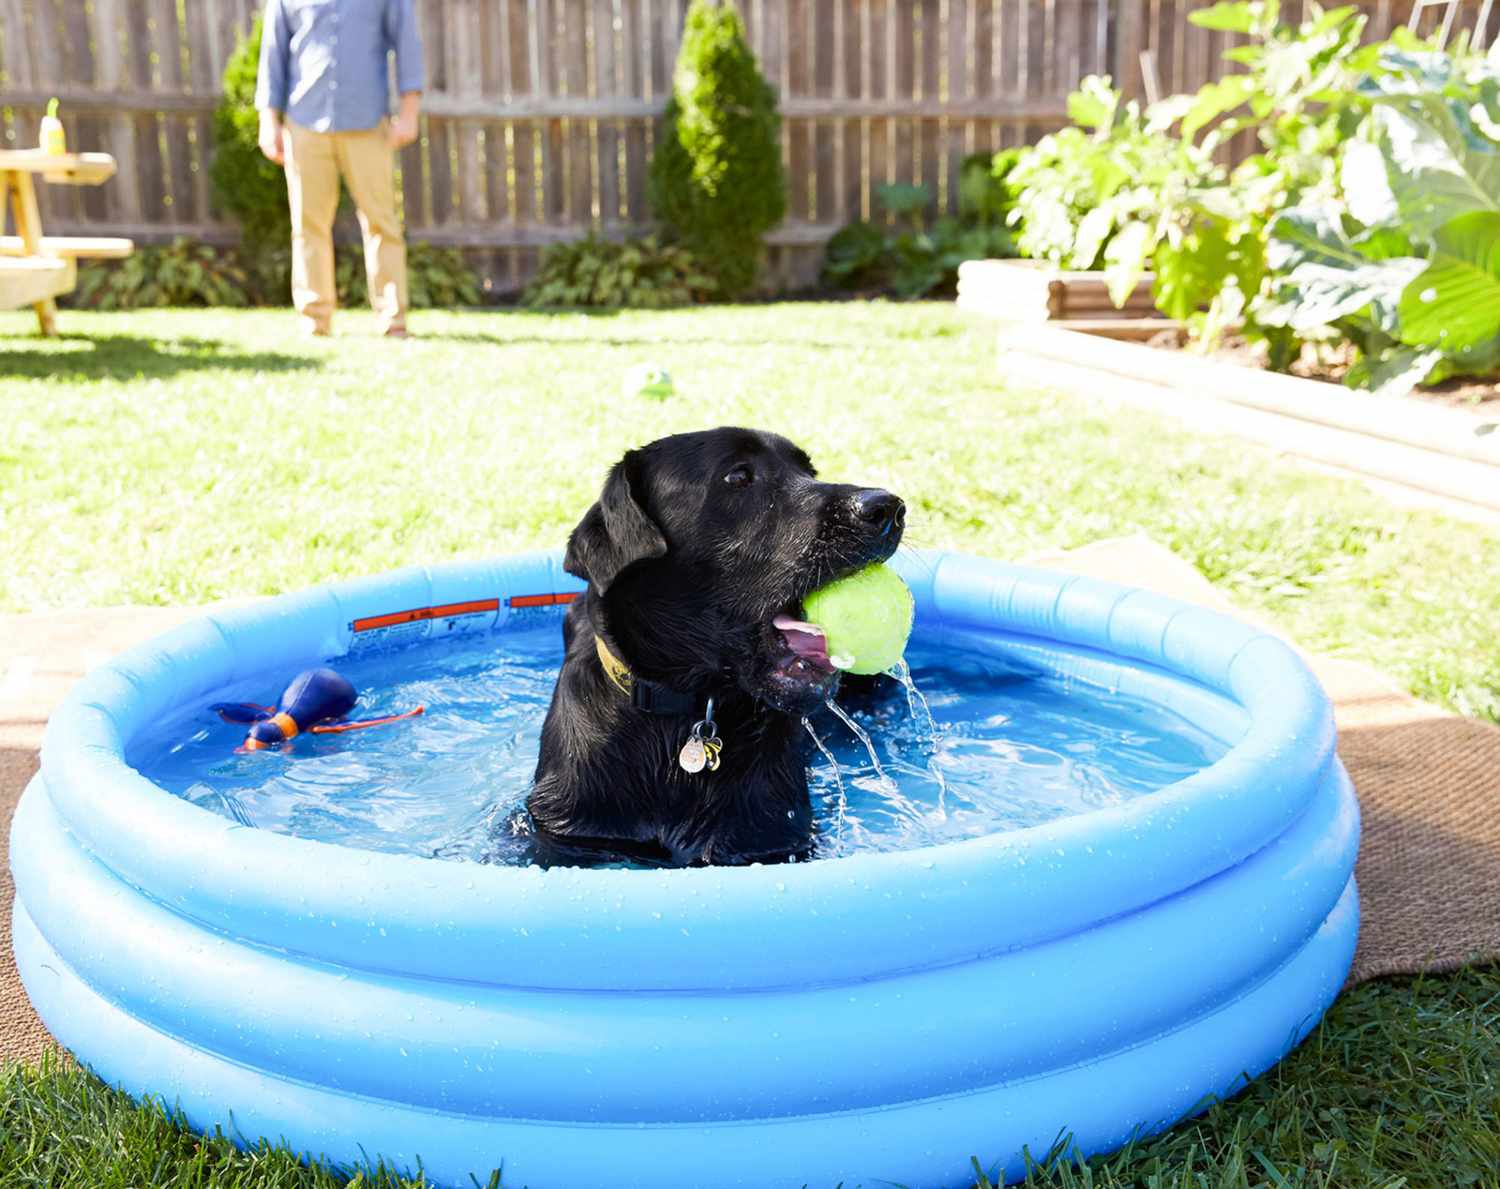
<point>1003,749</point>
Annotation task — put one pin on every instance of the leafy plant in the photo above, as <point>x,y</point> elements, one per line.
<point>1364,217</point>
<point>436,278</point>
<point>857,257</point>
<point>716,177</point>
<point>918,258</point>
<point>1417,289</point>
<point>183,273</point>
<point>245,185</point>
<point>641,273</point>
<point>1103,193</point>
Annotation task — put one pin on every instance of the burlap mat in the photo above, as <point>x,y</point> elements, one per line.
<point>1428,784</point>
<point>1428,781</point>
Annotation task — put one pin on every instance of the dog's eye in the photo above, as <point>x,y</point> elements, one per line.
<point>740,476</point>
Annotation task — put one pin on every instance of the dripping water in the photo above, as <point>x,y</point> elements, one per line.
<point>864,737</point>
<point>838,776</point>
<point>901,671</point>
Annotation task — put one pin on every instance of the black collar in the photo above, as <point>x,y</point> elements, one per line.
<point>651,696</point>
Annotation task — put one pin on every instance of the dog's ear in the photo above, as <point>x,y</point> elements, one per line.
<point>616,532</point>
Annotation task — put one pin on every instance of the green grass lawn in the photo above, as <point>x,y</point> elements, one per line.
<point>184,456</point>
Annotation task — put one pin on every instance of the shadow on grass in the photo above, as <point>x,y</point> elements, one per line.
<point>128,357</point>
<point>644,340</point>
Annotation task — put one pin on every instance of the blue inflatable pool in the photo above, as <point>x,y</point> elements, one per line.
<point>872,1019</point>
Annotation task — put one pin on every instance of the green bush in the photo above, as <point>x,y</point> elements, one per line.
<point>917,259</point>
<point>182,274</point>
<point>245,185</point>
<point>643,274</point>
<point>187,273</point>
<point>716,178</point>
<point>436,278</point>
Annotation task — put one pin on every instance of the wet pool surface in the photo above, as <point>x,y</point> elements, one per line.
<point>1004,749</point>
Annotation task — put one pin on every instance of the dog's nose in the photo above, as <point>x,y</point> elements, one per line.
<point>880,509</point>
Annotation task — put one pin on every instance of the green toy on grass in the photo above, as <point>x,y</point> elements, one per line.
<point>866,618</point>
<point>649,380</point>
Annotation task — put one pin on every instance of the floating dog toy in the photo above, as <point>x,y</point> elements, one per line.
<point>866,618</point>
<point>317,701</point>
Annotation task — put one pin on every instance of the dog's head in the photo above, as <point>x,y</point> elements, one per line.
<point>702,547</point>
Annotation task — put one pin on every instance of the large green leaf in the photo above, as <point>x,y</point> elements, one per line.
<point>1366,187</point>
<point>1486,113</point>
<point>1326,275</point>
<point>1214,99</point>
<point>1455,303</point>
<point>1125,259</point>
<point>1319,295</point>
<point>903,198</point>
<point>1438,164</point>
<point>1094,104</point>
<point>1395,372</point>
<point>1483,360</point>
<point>1093,229</point>
<point>1228,16</point>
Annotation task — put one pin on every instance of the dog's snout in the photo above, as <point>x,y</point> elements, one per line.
<point>880,509</point>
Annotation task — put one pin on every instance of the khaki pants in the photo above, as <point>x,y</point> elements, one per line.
<point>365,160</point>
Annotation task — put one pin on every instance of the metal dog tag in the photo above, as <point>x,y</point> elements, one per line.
<point>703,746</point>
<point>694,756</point>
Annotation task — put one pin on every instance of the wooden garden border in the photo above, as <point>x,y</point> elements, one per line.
<point>1406,445</point>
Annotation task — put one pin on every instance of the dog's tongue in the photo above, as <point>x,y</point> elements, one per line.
<point>805,639</point>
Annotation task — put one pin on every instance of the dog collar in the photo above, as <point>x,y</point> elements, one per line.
<point>650,696</point>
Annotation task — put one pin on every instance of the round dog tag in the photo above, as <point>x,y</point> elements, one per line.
<point>693,755</point>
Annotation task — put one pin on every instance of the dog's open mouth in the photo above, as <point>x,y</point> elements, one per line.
<point>807,643</point>
<point>801,672</point>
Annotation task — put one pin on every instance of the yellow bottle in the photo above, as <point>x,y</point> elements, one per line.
<point>54,138</point>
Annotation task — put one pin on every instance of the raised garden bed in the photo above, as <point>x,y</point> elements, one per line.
<point>1035,291</point>
<point>1412,445</point>
<point>1481,397</point>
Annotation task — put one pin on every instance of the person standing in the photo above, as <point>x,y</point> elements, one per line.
<point>323,94</point>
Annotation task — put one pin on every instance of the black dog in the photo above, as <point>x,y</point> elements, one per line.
<point>697,556</point>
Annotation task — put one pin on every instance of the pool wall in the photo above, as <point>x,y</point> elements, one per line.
<point>881,1017</point>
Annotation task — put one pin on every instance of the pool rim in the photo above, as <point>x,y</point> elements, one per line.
<point>547,929</point>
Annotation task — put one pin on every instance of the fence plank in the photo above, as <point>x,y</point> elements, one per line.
<point>112,72</point>
<point>524,171</point>
<point>50,54</point>
<point>518,41</point>
<point>15,51</point>
<point>606,84</point>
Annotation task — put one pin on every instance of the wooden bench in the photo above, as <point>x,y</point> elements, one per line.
<point>71,247</point>
<point>28,280</point>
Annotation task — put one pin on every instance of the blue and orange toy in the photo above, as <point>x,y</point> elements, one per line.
<point>317,701</point>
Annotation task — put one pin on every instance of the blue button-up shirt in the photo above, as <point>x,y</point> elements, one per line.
<point>323,62</point>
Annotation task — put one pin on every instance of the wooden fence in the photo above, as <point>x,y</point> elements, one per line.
<point>539,114</point>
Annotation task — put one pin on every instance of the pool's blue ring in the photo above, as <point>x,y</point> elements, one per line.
<point>878,1018</point>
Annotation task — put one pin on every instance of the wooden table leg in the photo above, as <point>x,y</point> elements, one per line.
<point>29,228</point>
<point>46,317</point>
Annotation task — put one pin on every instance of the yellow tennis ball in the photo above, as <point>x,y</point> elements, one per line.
<point>649,380</point>
<point>866,618</point>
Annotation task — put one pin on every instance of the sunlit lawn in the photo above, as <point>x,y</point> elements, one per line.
<point>176,457</point>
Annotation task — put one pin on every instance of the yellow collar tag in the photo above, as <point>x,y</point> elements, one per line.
<point>614,668</point>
